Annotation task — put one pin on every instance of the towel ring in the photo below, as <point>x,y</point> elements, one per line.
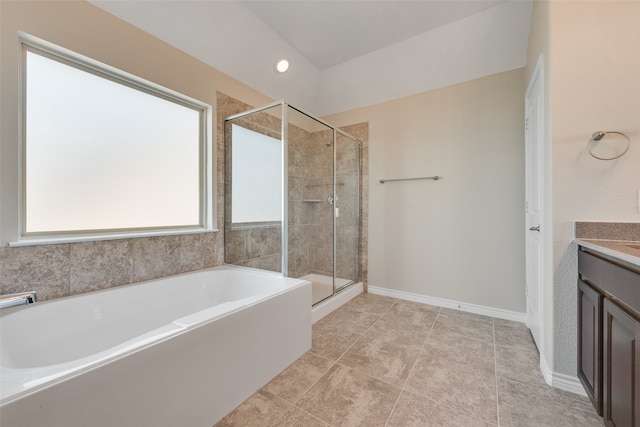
<point>597,136</point>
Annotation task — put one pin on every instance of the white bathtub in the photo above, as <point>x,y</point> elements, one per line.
<point>183,350</point>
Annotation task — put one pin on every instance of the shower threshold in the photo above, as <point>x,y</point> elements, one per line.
<point>327,302</point>
<point>322,286</point>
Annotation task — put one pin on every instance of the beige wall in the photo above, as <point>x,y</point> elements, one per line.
<point>594,85</point>
<point>592,65</point>
<point>59,270</point>
<point>460,238</point>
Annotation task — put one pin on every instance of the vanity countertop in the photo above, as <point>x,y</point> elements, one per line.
<point>628,251</point>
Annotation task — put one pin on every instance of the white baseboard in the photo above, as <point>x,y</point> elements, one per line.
<point>441,302</point>
<point>547,373</point>
<point>568,383</point>
<point>562,381</point>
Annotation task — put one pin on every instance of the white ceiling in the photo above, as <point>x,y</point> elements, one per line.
<point>344,54</point>
<point>329,33</point>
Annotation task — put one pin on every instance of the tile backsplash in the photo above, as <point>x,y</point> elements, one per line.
<point>629,231</point>
<point>55,271</point>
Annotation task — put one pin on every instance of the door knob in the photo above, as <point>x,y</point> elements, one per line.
<point>535,229</point>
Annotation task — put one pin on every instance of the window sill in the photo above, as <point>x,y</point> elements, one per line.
<point>37,241</point>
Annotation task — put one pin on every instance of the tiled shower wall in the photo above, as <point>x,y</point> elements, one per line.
<point>259,245</point>
<point>55,271</point>
<point>310,216</point>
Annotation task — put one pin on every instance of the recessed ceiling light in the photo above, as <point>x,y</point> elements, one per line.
<point>281,66</point>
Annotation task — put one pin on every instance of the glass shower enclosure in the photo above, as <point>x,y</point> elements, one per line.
<point>292,197</point>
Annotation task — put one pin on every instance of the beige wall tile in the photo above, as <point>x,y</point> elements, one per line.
<point>154,257</point>
<point>99,265</point>
<point>44,269</point>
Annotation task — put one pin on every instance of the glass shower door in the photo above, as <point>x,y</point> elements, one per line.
<point>292,197</point>
<point>254,189</point>
<point>310,194</point>
<point>347,210</point>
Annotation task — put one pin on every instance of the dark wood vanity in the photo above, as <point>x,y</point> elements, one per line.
<point>609,335</point>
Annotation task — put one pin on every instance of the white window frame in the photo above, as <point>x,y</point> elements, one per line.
<point>206,152</point>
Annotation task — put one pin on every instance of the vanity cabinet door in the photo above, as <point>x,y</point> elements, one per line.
<point>590,342</point>
<point>621,362</point>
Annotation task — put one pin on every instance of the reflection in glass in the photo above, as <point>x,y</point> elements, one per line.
<point>254,189</point>
<point>256,177</point>
<point>317,235</point>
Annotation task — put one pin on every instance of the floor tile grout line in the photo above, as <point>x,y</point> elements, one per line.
<point>404,383</point>
<point>362,336</point>
<point>445,405</point>
<point>276,423</point>
<point>451,408</point>
<point>359,338</point>
<point>495,368</point>
<point>373,378</point>
<point>365,332</point>
<point>402,389</point>
<point>356,370</point>
<point>314,382</point>
<point>335,362</point>
<point>424,343</point>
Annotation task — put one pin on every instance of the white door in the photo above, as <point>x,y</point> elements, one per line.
<point>533,208</point>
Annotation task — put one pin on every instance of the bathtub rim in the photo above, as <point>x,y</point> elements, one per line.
<point>49,376</point>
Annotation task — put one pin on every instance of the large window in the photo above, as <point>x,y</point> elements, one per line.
<point>106,153</point>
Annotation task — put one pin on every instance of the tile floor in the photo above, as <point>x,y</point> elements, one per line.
<point>380,361</point>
